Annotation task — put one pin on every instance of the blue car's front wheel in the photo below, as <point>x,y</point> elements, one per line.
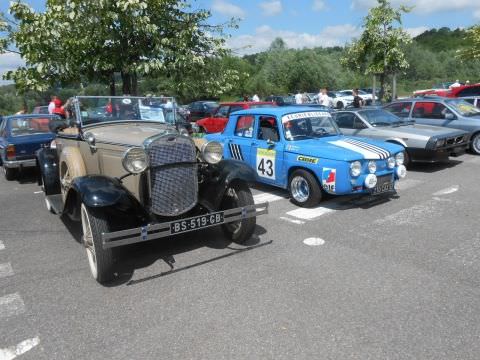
<point>304,189</point>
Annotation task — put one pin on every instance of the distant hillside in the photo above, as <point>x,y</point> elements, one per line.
<point>442,39</point>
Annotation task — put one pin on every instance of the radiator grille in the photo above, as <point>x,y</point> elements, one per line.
<point>173,189</point>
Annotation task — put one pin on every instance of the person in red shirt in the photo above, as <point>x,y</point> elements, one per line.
<point>58,108</point>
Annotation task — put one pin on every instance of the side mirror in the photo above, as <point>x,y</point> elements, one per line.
<point>449,116</point>
<point>90,140</point>
<point>270,143</point>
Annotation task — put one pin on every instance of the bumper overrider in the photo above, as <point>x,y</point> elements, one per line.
<point>171,228</point>
<point>15,164</point>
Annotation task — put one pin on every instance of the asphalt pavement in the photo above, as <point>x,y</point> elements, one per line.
<point>355,278</point>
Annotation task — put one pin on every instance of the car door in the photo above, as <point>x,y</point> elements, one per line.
<point>239,145</point>
<point>266,155</point>
<point>401,109</point>
<point>432,113</point>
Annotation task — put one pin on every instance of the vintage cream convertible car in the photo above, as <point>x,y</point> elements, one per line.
<point>129,176</point>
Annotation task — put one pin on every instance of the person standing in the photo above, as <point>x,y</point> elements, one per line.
<point>299,98</point>
<point>255,98</point>
<point>323,98</point>
<point>51,105</point>
<point>357,100</point>
<point>455,84</point>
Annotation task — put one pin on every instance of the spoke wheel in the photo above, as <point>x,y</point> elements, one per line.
<point>100,260</point>
<point>304,189</point>
<point>238,195</point>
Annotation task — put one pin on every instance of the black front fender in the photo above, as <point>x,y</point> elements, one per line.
<point>220,176</point>
<point>48,175</point>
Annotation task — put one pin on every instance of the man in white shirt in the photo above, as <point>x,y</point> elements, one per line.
<point>255,98</point>
<point>455,84</point>
<point>51,105</point>
<point>323,98</point>
<point>299,98</point>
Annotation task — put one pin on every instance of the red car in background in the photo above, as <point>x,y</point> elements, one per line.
<point>218,121</point>
<point>459,91</point>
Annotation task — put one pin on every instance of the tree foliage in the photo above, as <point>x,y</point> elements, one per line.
<point>84,40</point>
<point>472,52</point>
<point>380,50</point>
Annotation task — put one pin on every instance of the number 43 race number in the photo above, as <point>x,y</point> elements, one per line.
<point>266,163</point>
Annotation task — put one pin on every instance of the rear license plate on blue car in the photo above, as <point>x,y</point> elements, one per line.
<point>197,222</point>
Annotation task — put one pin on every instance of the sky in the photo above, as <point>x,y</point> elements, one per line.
<point>307,23</point>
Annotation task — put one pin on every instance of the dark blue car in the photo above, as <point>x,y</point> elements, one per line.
<point>20,137</point>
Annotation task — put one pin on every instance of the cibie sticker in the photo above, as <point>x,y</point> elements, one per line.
<point>329,177</point>
<point>304,115</point>
<point>307,159</point>
<point>266,163</point>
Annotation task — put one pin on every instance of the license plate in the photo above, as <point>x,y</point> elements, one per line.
<point>383,187</point>
<point>197,222</point>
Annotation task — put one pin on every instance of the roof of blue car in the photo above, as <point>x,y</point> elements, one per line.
<point>277,111</point>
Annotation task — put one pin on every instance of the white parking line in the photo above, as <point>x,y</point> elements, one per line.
<point>310,214</point>
<point>267,197</point>
<point>314,241</point>
<point>38,192</point>
<point>13,351</point>
<point>11,305</point>
<point>293,221</point>
<point>6,270</point>
<point>2,245</point>
<point>449,190</point>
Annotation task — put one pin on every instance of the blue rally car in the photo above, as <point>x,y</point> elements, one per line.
<point>20,137</point>
<point>303,150</point>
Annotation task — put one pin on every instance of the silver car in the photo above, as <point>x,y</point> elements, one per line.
<point>423,143</point>
<point>447,112</point>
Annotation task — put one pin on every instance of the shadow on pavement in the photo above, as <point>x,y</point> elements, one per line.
<point>434,167</point>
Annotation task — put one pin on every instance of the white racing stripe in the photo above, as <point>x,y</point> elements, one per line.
<point>6,270</point>
<point>367,154</point>
<point>13,351</point>
<point>2,245</point>
<point>384,154</point>
<point>11,305</point>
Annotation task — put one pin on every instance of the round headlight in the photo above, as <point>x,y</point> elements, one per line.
<point>399,158</point>
<point>391,162</point>
<point>135,160</point>
<point>355,168</point>
<point>401,172</point>
<point>212,152</point>
<point>372,167</point>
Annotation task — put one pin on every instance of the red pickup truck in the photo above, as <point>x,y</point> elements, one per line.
<point>217,122</point>
<point>459,91</point>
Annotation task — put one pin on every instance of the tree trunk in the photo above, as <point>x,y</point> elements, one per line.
<point>134,87</point>
<point>382,87</point>
<point>112,84</point>
<point>126,83</point>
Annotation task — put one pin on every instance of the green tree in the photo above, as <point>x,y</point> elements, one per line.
<point>78,40</point>
<point>472,52</point>
<point>380,50</point>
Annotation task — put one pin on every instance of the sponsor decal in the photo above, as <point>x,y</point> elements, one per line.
<point>303,115</point>
<point>329,179</point>
<point>266,163</point>
<point>307,159</point>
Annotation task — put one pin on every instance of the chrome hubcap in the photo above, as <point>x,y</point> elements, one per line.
<point>300,189</point>
<point>476,144</point>
<point>88,242</point>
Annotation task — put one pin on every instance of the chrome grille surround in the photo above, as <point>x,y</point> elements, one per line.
<point>173,189</point>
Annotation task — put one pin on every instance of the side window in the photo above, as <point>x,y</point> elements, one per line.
<point>400,109</point>
<point>222,111</point>
<point>268,129</point>
<point>359,124</point>
<point>429,110</point>
<point>470,91</point>
<point>244,127</point>
<point>235,108</point>
<point>345,120</point>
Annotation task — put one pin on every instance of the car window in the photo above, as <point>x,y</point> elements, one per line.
<point>429,110</point>
<point>471,91</point>
<point>235,108</point>
<point>463,107</point>
<point>345,120</point>
<point>244,126</point>
<point>222,111</point>
<point>29,126</point>
<point>401,109</point>
<point>268,129</point>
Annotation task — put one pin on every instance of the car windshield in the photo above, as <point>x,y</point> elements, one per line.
<point>101,109</point>
<point>463,107</point>
<point>308,125</point>
<point>24,126</point>
<point>253,106</point>
<point>379,117</point>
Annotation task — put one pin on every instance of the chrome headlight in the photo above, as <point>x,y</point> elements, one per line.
<point>212,152</point>
<point>370,181</point>
<point>399,158</point>
<point>440,143</point>
<point>391,162</point>
<point>135,160</point>
<point>372,167</point>
<point>355,168</point>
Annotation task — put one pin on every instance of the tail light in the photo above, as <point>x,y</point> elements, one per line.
<point>11,152</point>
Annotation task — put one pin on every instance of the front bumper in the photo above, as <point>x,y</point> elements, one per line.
<point>15,164</point>
<point>436,155</point>
<point>157,231</point>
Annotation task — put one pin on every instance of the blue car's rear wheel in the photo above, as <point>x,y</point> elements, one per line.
<point>304,189</point>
